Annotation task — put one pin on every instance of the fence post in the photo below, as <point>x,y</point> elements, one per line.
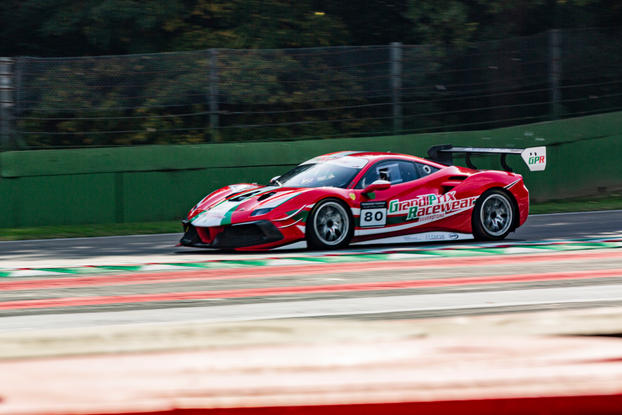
<point>6,101</point>
<point>555,71</point>
<point>213,92</point>
<point>396,85</point>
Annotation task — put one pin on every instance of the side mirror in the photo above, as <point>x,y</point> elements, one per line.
<point>275,180</point>
<point>377,185</point>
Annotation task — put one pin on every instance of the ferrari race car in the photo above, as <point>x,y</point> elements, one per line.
<point>355,197</point>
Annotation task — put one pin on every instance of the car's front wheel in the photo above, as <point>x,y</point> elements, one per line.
<point>493,215</point>
<point>329,225</point>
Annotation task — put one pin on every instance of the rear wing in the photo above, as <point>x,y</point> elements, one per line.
<point>534,157</point>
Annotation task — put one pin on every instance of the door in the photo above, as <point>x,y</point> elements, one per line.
<point>413,199</point>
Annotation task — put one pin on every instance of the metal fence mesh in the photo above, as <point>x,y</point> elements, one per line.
<point>225,95</point>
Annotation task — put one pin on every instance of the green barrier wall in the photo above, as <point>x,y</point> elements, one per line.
<point>162,182</point>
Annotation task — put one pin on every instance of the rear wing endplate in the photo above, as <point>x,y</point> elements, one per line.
<point>534,157</point>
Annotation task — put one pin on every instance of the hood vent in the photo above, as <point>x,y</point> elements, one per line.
<point>265,196</point>
<point>243,196</point>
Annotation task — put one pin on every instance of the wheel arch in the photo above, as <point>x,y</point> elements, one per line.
<point>340,200</point>
<point>514,204</point>
<point>338,197</point>
<point>516,215</point>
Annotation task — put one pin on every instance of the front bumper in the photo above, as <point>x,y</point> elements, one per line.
<point>232,236</point>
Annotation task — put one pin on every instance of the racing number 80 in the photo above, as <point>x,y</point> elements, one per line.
<point>374,217</point>
<point>369,216</point>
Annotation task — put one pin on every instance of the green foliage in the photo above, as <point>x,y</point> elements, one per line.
<point>441,22</point>
<point>267,87</point>
<point>159,99</point>
<point>95,27</point>
<point>256,24</point>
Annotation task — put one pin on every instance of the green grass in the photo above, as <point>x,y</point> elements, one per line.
<point>75,231</point>
<point>583,204</point>
<point>606,202</point>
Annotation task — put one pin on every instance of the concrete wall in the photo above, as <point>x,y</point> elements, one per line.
<point>148,183</point>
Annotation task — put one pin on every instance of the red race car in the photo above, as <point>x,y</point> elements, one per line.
<point>355,197</point>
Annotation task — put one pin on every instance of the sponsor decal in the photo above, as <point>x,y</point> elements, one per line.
<point>535,158</point>
<point>433,236</point>
<point>419,237</point>
<point>373,214</point>
<point>430,206</point>
<point>352,196</point>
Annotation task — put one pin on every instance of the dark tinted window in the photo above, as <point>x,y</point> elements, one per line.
<point>395,171</point>
<point>425,169</point>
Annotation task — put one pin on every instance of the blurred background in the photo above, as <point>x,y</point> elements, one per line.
<point>122,72</point>
<point>155,103</point>
<point>117,116</point>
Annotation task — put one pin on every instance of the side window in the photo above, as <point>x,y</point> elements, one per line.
<point>394,171</point>
<point>408,171</point>
<point>425,169</point>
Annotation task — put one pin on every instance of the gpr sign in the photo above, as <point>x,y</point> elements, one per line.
<point>535,158</point>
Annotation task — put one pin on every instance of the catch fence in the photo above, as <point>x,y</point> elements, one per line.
<point>225,95</point>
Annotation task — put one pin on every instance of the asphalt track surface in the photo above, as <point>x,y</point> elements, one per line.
<point>537,227</point>
<point>396,287</point>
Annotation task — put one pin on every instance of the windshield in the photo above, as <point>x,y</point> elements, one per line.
<point>318,175</point>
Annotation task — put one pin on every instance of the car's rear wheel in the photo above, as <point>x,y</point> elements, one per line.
<point>329,225</point>
<point>493,215</point>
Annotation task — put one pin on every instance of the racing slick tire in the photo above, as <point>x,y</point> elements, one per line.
<point>493,215</point>
<point>330,225</point>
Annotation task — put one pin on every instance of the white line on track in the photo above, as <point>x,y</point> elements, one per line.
<point>577,213</point>
<point>359,306</point>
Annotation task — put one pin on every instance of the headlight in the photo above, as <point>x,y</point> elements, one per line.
<point>261,211</point>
